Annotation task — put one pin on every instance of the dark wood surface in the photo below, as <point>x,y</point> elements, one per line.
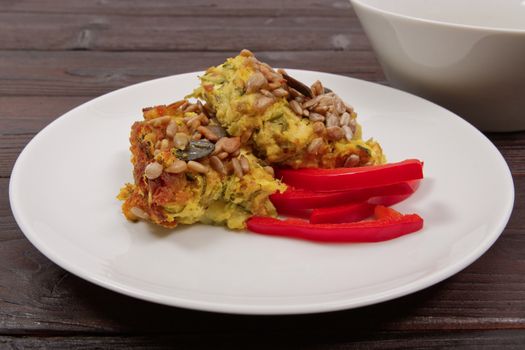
<point>57,54</point>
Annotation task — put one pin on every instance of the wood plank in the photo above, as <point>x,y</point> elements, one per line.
<point>22,115</point>
<point>86,73</point>
<point>10,147</point>
<point>8,228</point>
<point>163,33</point>
<point>193,8</point>
<point>512,146</point>
<point>499,339</point>
<point>38,297</point>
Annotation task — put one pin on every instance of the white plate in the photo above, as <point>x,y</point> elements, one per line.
<point>64,184</point>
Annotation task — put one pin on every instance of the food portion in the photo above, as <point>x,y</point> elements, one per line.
<point>284,121</point>
<point>256,143</point>
<point>188,170</point>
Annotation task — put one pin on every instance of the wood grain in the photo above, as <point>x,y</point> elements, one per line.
<point>508,339</point>
<point>164,33</point>
<point>23,115</point>
<point>81,73</point>
<point>192,8</point>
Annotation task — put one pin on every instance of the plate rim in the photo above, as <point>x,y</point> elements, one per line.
<point>255,309</point>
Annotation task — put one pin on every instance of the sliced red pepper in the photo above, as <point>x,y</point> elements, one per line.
<point>395,198</point>
<point>340,179</point>
<point>389,225</point>
<point>355,211</point>
<point>304,199</point>
<point>343,213</point>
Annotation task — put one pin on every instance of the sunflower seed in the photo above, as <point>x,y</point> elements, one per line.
<point>180,140</point>
<point>318,127</point>
<point>153,170</point>
<point>171,129</point>
<point>345,119</point>
<point>353,124</point>
<point>317,88</point>
<point>255,82</point>
<point>315,145</point>
<point>139,213</point>
<point>295,93</point>
<point>321,109</point>
<point>237,169</point>
<point>339,106</point>
<point>246,53</point>
<point>335,133</point>
<point>207,133</point>
<point>316,117</point>
<point>274,85</point>
<point>197,167</point>
<point>177,167</point>
<point>263,102</point>
<point>164,145</point>
<point>332,120</point>
<point>269,170</point>
<point>217,165</point>
<point>280,92</point>
<point>296,107</point>
<point>348,132</point>
<point>326,100</point>
<point>159,120</point>
<point>266,93</point>
<point>348,108</point>
<point>310,103</point>
<point>245,165</point>
<point>352,160</point>
<point>230,144</point>
<point>194,122</point>
<point>204,119</point>
<point>191,108</point>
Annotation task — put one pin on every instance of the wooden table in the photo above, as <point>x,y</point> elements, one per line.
<point>56,54</point>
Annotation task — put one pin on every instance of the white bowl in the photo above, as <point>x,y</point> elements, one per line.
<point>467,55</point>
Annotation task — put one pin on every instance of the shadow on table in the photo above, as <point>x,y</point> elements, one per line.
<point>114,313</point>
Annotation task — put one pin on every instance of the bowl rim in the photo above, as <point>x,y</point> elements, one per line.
<point>364,4</point>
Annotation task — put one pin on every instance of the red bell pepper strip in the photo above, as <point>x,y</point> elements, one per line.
<point>304,199</point>
<point>395,198</point>
<point>355,211</point>
<point>343,213</point>
<point>340,179</point>
<point>389,224</point>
